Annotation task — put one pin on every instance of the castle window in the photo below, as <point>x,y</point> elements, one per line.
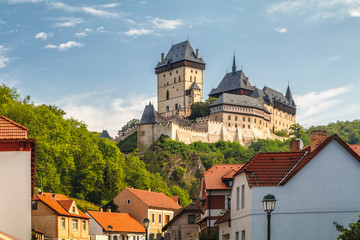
<point>235,118</point>
<point>254,120</point>
<point>235,125</point>
<point>167,108</point>
<point>164,75</point>
<point>170,73</point>
<point>266,125</point>
<point>179,78</point>
<point>167,83</point>
<point>248,126</point>
<point>174,79</point>
<point>229,117</point>
<point>229,125</point>
<point>176,106</point>
<point>196,72</point>
<point>260,122</point>
<point>190,78</point>
<point>215,118</point>
<point>191,70</point>
<point>243,119</point>
<point>249,119</point>
<point>167,95</point>
<point>194,79</point>
<point>243,125</point>
<point>176,71</point>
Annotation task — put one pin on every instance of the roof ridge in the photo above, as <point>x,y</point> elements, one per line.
<point>293,167</point>
<point>21,126</point>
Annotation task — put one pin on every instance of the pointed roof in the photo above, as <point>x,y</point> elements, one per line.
<point>121,222</point>
<point>234,64</point>
<point>239,100</point>
<point>105,134</point>
<point>230,82</point>
<point>149,115</point>
<point>213,177</point>
<point>273,95</point>
<point>180,52</point>
<point>154,199</point>
<point>12,130</point>
<point>289,97</point>
<point>224,218</point>
<point>192,207</point>
<point>195,86</point>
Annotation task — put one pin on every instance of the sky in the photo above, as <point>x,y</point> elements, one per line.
<point>96,59</point>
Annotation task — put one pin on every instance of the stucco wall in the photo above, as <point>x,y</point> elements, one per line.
<point>15,189</point>
<point>325,190</point>
<point>186,228</point>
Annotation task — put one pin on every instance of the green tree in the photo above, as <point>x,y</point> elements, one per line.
<point>201,109</point>
<point>130,124</point>
<point>297,130</point>
<point>352,232</point>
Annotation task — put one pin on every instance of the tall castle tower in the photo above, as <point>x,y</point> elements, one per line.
<point>179,80</point>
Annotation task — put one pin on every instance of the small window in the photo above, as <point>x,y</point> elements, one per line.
<point>164,75</point>
<point>153,218</point>
<point>196,72</point>
<point>194,79</point>
<point>170,73</point>
<point>243,125</point>
<point>73,209</point>
<point>179,78</point>
<point>33,205</point>
<point>174,79</point>
<point>128,201</point>
<point>229,125</point>
<point>235,125</point>
<point>229,117</point>
<point>176,106</point>
<point>191,219</point>
<point>243,119</point>
<point>167,83</point>
<point>142,133</point>
<point>167,95</point>
<point>190,78</point>
<point>75,224</point>
<point>235,118</point>
<point>237,198</point>
<point>216,118</point>
<point>191,70</point>
<point>84,225</point>
<point>249,119</point>
<point>242,196</point>
<point>237,236</point>
<point>254,120</point>
<point>243,235</point>
<point>160,219</point>
<point>248,126</point>
<point>167,109</point>
<point>167,218</point>
<point>176,71</point>
<point>62,223</point>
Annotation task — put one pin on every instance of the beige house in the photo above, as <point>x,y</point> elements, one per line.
<point>58,217</point>
<point>141,204</point>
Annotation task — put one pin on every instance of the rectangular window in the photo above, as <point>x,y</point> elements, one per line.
<point>33,205</point>
<point>128,201</point>
<point>142,133</point>
<point>159,218</point>
<point>237,198</point>
<point>249,119</point>
<point>179,79</point>
<point>243,119</point>
<point>167,108</point>
<point>75,224</point>
<point>191,219</point>
<point>237,236</point>
<point>243,235</point>
<point>153,218</point>
<point>229,117</point>
<point>242,196</point>
<point>62,223</point>
<point>235,118</point>
<point>176,106</point>
<point>84,225</point>
<point>167,218</point>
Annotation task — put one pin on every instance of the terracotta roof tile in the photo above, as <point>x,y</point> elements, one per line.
<point>12,130</point>
<point>121,222</point>
<point>66,204</point>
<point>154,199</point>
<point>57,196</point>
<point>213,176</point>
<point>355,148</point>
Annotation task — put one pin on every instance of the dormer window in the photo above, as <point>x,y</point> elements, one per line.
<point>73,209</point>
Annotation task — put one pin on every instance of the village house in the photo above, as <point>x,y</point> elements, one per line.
<point>120,226</point>
<point>17,175</point>
<point>314,187</point>
<point>141,204</point>
<point>183,226</point>
<point>58,217</point>
<point>215,193</point>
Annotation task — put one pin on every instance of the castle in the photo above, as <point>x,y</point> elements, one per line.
<point>241,112</point>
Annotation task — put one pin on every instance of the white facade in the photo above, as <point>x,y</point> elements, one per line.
<point>325,190</point>
<point>15,189</point>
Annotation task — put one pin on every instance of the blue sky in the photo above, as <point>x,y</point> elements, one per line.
<point>96,59</point>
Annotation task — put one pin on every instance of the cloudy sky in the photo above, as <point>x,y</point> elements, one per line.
<point>96,59</point>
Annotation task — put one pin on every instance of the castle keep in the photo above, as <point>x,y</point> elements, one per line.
<point>241,112</point>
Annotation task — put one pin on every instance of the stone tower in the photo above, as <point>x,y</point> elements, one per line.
<point>179,80</point>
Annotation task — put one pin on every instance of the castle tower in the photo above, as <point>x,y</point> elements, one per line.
<point>179,80</point>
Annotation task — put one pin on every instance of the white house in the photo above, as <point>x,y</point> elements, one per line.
<point>313,187</point>
<point>17,176</point>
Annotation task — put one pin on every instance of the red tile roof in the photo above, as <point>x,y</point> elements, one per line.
<point>274,169</point>
<point>154,199</point>
<point>355,148</point>
<point>12,130</point>
<point>59,206</point>
<point>213,176</point>
<point>57,196</point>
<point>121,222</point>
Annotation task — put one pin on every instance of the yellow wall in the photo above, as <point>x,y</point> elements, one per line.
<point>156,226</point>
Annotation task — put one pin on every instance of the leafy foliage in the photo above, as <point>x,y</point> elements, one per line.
<point>352,232</point>
<point>201,109</point>
<point>129,144</point>
<point>130,124</point>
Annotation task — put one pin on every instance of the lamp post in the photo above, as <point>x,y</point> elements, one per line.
<point>146,225</point>
<point>269,206</point>
<point>110,228</point>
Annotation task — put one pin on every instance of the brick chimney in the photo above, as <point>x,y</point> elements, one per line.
<point>317,137</point>
<point>295,145</point>
<point>197,53</point>
<point>162,57</point>
<point>247,81</point>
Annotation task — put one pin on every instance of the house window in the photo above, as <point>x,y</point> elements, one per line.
<point>167,218</point>
<point>128,201</point>
<point>159,218</point>
<point>237,236</point>
<point>73,209</point>
<point>243,235</point>
<point>142,133</point>
<point>84,225</point>
<point>153,218</point>
<point>229,117</point>
<point>75,224</point>
<point>167,95</point>
<point>229,200</point>
<point>191,219</point>
<point>33,205</point>
<point>237,198</point>
<point>62,223</point>
<point>235,125</point>
<point>242,196</point>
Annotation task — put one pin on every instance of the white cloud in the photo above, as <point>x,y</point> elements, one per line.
<point>109,5</point>
<point>43,35</point>
<point>138,32</point>
<point>109,115</point>
<point>281,30</point>
<point>65,46</point>
<point>334,58</point>
<point>2,21</point>
<point>97,12</point>
<point>68,22</point>
<point>166,24</point>
<point>3,59</point>
<point>317,10</point>
<point>100,29</point>
<point>84,33</point>
<point>314,107</point>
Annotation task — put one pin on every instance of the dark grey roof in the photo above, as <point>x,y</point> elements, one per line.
<point>232,81</point>
<point>192,207</point>
<point>274,95</point>
<point>195,86</point>
<point>258,93</point>
<point>105,134</point>
<point>289,97</point>
<point>179,52</point>
<point>239,100</point>
<point>149,115</point>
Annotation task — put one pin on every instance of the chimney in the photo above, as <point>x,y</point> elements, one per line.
<point>197,53</point>
<point>295,145</point>
<point>317,137</point>
<point>162,57</point>
<point>247,81</point>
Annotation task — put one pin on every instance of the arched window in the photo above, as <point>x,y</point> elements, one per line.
<point>167,95</point>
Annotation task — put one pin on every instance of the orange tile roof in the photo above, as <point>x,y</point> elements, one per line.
<point>121,222</point>
<point>57,206</point>
<point>57,196</point>
<point>12,130</point>
<point>154,199</point>
<point>213,176</point>
<point>276,169</point>
<point>66,204</point>
<point>355,148</point>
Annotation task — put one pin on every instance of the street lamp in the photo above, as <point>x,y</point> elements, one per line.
<point>110,228</point>
<point>269,206</point>
<point>146,225</point>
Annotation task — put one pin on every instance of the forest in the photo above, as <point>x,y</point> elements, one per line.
<point>76,162</point>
